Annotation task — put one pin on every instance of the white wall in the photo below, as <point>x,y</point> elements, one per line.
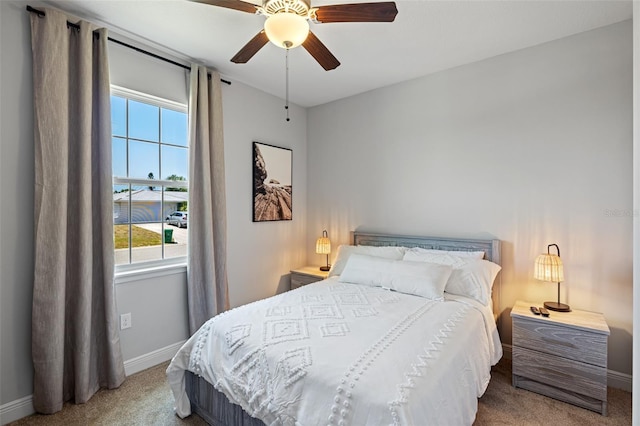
<point>532,147</point>
<point>260,254</point>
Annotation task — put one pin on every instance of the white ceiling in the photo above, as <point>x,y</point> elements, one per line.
<point>426,37</point>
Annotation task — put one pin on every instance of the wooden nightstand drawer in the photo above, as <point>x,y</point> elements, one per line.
<point>306,275</point>
<point>562,373</point>
<point>563,356</point>
<point>298,280</point>
<point>557,340</point>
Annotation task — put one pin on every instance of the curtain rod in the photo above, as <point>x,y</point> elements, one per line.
<point>137,49</point>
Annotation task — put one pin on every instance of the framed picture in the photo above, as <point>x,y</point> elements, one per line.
<point>272,189</point>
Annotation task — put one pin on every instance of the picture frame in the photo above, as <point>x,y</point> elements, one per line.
<point>272,183</point>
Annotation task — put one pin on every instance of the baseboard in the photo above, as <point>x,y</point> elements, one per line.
<point>507,351</point>
<point>151,359</point>
<point>14,410</point>
<point>618,380</point>
<point>615,379</point>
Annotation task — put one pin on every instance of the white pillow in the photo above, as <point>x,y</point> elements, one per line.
<point>418,278</point>
<point>345,251</point>
<point>470,277</point>
<point>474,278</point>
<point>439,258</point>
<point>418,251</point>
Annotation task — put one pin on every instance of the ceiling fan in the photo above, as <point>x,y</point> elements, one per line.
<point>287,24</point>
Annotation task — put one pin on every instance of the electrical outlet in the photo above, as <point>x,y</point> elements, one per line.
<point>125,321</point>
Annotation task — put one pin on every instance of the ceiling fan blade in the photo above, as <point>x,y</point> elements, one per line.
<point>251,48</point>
<point>358,12</point>
<point>320,52</point>
<point>230,4</point>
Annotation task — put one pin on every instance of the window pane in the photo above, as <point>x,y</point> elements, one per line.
<point>146,204</point>
<point>175,162</point>
<point>177,227</point>
<point>175,200</point>
<point>118,116</point>
<point>120,223</point>
<point>174,127</point>
<point>178,245</point>
<point>146,242</point>
<point>143,121</point>
<point>146,236</point>
<point>144,160</point>
<point>119,160</point>
<point>120,204</point>
<point>121,239</point>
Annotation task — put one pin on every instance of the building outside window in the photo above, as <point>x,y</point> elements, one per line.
<point>150,172</point>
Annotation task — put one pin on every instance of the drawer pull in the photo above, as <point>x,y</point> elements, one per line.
<point>558,342</point>
<point>556,373</point>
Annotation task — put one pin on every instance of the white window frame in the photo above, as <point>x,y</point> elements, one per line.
<point>159,267</point>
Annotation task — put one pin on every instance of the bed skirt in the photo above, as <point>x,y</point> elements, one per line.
<point>213,406</point>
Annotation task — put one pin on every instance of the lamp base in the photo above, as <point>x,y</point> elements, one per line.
<point>325,268</point>
<point>556,306</point>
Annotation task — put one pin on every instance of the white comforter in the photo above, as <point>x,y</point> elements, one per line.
<point>332,353</point>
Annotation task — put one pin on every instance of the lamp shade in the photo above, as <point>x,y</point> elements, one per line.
<point>286,30</point>
<point>548,267</point>
<point>323,245</point>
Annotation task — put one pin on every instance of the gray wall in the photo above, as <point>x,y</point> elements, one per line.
<point>260,255</point>
<point>464,152</point>
<point>16,214</point>
<point>157,304</point>
<point>532,147</point>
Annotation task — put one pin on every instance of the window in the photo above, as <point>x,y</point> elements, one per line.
<point>150,171</point>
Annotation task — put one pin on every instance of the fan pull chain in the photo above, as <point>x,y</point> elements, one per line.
<point>286,102</point>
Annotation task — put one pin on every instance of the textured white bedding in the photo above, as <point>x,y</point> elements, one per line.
<point>333,353</point>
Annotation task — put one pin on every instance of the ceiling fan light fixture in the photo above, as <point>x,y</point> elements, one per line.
<point>286,30</point>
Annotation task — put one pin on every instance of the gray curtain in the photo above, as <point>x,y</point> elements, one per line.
<point>75,340</point>
<point>207,257</point>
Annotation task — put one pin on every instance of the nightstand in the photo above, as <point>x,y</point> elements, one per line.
<point>307,275</point>
<point>563,356</point>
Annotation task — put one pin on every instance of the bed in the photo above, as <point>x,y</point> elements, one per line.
<point>361,348</point>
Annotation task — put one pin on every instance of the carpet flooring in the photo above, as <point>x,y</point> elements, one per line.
<point>145,399</point>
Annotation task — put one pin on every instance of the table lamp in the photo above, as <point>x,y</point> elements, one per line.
<point>323,246</point>
<point>548,267</point>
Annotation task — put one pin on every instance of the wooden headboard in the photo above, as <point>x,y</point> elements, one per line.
<point>491,249</point>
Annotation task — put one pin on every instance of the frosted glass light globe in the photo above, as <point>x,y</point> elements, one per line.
<point>286,30</point>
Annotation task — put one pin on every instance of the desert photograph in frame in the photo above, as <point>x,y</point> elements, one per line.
<point>272,189</point>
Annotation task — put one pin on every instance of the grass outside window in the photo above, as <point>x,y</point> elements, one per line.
<point>140,237</point>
